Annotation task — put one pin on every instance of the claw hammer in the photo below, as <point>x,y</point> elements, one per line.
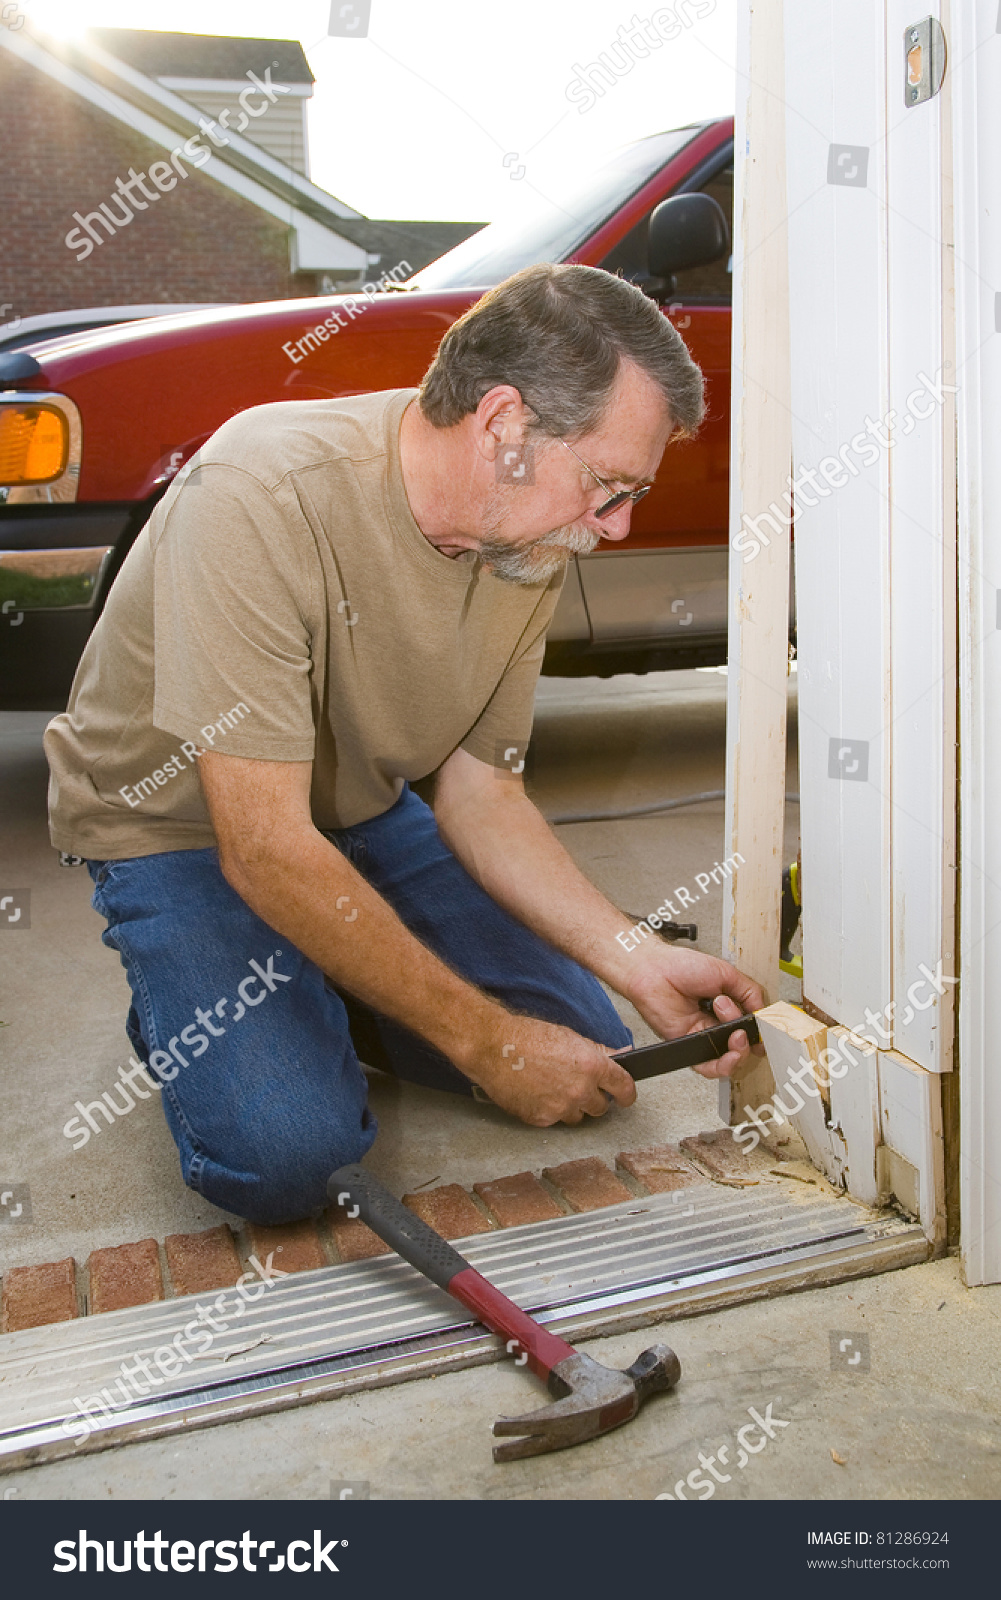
<point>589,1399</point>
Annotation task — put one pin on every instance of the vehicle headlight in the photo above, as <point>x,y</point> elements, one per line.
<point>41,448</point>
<point>34,444</point>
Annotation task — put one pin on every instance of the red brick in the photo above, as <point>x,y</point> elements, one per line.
<point>33,1296</point>
<point>296,1245</point>
<point>518,1199</point>
<point>68,154</point>
<point>588,1184</point>
<point>661,1169</point>
<point>200,1261</point>
<point>125,1275</point>
<point>448,1210</point>
<point>354,1240</point>
<point>722,1157</point>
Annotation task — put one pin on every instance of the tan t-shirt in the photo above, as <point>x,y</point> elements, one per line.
<point>282,604</point>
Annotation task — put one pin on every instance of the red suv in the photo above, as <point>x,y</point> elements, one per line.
<point>93,426</point>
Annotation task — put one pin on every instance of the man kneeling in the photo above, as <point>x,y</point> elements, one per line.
<point>333,600</point>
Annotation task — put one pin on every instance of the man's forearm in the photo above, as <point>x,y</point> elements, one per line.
<point>309,892</point>
<point>504,842</point>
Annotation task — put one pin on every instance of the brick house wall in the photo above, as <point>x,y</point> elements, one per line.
<point>197,242</point>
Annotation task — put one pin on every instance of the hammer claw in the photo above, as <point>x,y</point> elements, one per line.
<point>599,1400</point>
<point>546,1430</point>
<point>535,1445</point>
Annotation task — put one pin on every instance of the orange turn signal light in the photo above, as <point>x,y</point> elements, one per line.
<point>34,444</point>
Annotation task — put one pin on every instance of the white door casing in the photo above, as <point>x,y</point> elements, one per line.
<point>871,403</point>
<point>976,130</point>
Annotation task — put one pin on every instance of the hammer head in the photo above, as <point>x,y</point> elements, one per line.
<point>593,1399</point>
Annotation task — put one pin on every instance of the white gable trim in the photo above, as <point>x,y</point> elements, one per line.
<point>231,86</point>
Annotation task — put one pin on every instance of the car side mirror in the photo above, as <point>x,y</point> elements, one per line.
<point>688,230</point>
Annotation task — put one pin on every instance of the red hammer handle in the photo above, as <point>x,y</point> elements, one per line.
<point>543,1349</point>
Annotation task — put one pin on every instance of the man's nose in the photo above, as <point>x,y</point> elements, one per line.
<point>615,526</point>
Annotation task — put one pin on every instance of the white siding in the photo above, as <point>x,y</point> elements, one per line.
<point>280,130</point>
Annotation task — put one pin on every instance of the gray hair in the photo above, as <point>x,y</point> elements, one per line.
<point>558,334</point>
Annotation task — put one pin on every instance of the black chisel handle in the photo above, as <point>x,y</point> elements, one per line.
<point>671,1055</point>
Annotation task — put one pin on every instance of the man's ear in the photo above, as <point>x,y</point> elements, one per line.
<point>500,419</point>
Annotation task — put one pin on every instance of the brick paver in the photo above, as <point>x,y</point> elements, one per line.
<point>722,1157</point>
<point>33,1296</point>
<point>355,1241</point>
<point>448,1210</point>
<point>125,1275</point>
<point>129,1274</point>
<point>587,1185</point>
<point>661,1169</point>
<point>297,1246</point>
<point>200,1261</point>
<point>518,1199</point>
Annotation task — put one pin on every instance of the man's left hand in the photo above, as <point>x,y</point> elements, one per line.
<point>666,991</point>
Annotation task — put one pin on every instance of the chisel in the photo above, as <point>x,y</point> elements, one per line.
<point>670,1055</point>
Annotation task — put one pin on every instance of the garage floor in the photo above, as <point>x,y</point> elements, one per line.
<point>909,1426</point>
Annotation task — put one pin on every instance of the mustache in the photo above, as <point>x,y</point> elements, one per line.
<point>541,559</point>
<point>575,538</point>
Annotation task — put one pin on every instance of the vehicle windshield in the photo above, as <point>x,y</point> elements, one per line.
<point>551,228</point>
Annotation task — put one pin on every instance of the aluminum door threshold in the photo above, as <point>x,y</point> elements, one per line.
<point>318,1334</point>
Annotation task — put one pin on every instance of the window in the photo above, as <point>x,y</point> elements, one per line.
<point>550,229</point>
<point>708,285</point>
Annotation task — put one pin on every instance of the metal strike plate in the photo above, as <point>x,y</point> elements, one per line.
<point>924,60</point>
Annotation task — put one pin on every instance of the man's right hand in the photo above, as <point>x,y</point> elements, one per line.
<point>543,1073</point>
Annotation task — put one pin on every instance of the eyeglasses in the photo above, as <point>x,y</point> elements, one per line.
<point>615,499</point>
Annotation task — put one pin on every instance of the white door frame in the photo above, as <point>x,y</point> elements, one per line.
<point>976,51</point>
<point>871,333</point>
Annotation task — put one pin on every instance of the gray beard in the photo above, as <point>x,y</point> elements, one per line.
<point>539,561</point>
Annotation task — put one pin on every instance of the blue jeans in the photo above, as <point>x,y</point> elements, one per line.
<point>258,1052</point>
